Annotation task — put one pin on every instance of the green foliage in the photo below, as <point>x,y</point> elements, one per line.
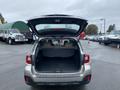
<point>111,28</point>
<point>2,19</point>
<point>92,29</point>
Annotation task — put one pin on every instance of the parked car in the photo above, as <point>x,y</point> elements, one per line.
<point>101,39</point>
<point>57,58</point>
<point>91,37</point>
<point>115,37</point>
<point>12,35</point>
<point>112,38</point>
<point>15,32</point>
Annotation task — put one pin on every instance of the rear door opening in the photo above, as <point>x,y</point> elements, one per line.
<point>57,25</point>
<point>55,54</point>
<point>58,56</point>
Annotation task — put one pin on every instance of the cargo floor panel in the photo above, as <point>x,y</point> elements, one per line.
<point>57,65</point>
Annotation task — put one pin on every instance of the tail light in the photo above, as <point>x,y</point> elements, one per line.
<point>28,59</point>
<point>86,58</point>
<point>87,78</point>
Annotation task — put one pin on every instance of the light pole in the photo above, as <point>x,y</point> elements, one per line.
<point>100,28</point>
<point>103,19</point>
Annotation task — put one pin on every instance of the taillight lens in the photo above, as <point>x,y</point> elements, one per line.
<point>87,78</point>
<point>86,58</point>
<point>28,59</point>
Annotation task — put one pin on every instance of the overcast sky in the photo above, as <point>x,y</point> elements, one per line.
<point>93,10</point>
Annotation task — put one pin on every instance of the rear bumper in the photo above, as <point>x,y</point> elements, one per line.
<point>106,42</point>
<point>64,79</point>
<point>57,83</point>
<point>115,41</point>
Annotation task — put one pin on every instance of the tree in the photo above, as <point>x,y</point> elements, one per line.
<point>114,27</point>
<point>92,29</point>
<point>111,28</point>
<point>2,20</point>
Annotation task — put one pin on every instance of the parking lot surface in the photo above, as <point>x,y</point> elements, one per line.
<point>105,67</point>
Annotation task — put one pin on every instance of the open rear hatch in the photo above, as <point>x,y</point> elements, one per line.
<point>57,25</point>
<point>52,55</point>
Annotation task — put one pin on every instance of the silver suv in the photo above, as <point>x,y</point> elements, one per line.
<point>57,57</point>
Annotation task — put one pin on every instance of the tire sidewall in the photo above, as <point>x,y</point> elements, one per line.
<point>10,41</point>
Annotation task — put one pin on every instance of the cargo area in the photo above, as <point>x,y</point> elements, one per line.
<point>58,57</point>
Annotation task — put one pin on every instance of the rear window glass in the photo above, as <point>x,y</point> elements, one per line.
<point>40,27</point>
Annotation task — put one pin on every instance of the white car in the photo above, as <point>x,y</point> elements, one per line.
<point>112,38</point>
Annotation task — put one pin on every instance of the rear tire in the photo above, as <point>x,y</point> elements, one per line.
<point>100,42</point>
<point>34,86</point>
<point>30,41</point>
<point>79,87</point>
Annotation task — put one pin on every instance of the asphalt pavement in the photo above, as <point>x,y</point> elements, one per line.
<point>105,67</point>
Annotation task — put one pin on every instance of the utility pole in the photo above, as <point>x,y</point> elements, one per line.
<point>104,21</point>
<point>100,29</point>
